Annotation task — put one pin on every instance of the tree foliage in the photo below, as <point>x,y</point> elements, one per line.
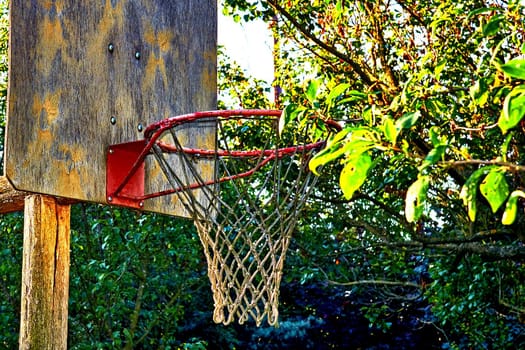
<point>428,167</point>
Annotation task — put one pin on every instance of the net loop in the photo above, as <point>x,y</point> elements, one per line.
<point>246,212</point>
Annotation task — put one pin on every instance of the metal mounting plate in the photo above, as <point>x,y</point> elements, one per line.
<point>120,159</point>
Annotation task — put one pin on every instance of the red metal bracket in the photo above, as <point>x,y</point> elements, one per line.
<point>121,159</point>
<point>125,172</point>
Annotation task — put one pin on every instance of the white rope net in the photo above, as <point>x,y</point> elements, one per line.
<point>246,224</point>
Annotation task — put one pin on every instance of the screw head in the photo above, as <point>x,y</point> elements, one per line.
<point>111,47</point>
<point>141,204</point>
<point>113,120</point>
<point>110,199</point>
<point>137,55</point>
<point>111,151</point>
<point>140,127</point>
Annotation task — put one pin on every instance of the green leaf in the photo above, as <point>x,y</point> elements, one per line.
<point>482,10</point>
<point>480,92</point>
<point>127,334</point>
<point>511,209</point>
<point>390,130</point>
<point>495,189</point>
<point>469,191</point>
<point>407,120</point>
<point>354,174</point>
<point>335,147</point>
<point>405,147</point>
<point>493,25</point>
<point>288,114</point>
<point>354,95</point>
<point>441,20</point>
<point>359,94</point>
<point>415,199</point>
<point>434,156</point>
<point>337,91</point>
<point>327,155</point>
<point>513,109</point>
<point>312,90</point>
<point>338,9</point>
<point>439,68</point>
<point>514,68</point>
<point>434,133</point>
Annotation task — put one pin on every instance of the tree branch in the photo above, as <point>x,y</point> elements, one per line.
<point>393,83</point>
<point>456,163</point>
<point>515,309</point>
<point>408,8</point>
<point>471,245</point>
<point>309,35</point>
<point>377,282</point>
<point>312,51</point>
<point>136,311</point>
<point>490,251</point>
<point>400,218</point>
<point>359,195</point>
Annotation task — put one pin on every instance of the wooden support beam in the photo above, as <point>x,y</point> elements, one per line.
<point>11,200</point>
<point>45,274</point>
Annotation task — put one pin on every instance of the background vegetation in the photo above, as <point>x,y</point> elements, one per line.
<point>414,237</point>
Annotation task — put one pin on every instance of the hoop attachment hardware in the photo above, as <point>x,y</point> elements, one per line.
<point>125,169</point>
<point>125,174</point>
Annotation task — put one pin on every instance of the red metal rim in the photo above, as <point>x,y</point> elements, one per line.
<point>154,131</point>
<point>122,185</point>
<point>169,123</point>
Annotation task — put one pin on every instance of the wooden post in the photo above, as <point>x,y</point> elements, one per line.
<point>45,274</point>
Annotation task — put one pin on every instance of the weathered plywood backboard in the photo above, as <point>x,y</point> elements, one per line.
<point>86,74</point>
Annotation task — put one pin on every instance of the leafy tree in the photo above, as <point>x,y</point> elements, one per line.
<point>11,227</point>
<point>429,191</point>
<point>132,275</point>
<point>236,89</point>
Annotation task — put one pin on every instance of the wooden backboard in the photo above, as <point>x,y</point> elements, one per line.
<point>86,74</point>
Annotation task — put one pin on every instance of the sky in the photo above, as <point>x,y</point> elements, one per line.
<point>249,44</point>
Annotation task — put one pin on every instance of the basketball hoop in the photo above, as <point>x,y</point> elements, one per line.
<point>245,213</point>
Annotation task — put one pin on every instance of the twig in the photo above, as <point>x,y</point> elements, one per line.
<point>457,163</point>
<point>377,282</point>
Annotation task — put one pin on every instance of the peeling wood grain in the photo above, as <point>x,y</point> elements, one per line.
<point>45,274</point>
